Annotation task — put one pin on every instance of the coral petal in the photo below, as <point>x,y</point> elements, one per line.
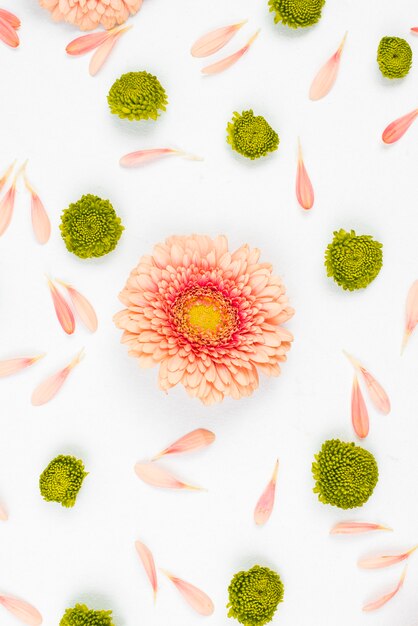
<point>4,178</point>
<point>195,440</point>
<point>83,308</point>
<point>154,475</point>
<point>414,30</point>
<point>11,18</point>
<point>133,159</point>
<point>384,560</point>
<point>376,604</point>
<point>40,221</point>
<point>327,75</point>
<point>224,64</point>
<point>6,209</point>
<point>398,128</point>
<point>304,189</point>
<point>8,34</point>
<point>86,43</point>
<point>12,366</point>
<point>359,413</point>
<point>265,504</point>
<point>215,40</point>
<point>64,314</point>
<point>149,565</point>
<point>50,387</point>
<point>375,390</point>
<point>411,313</point>
<point>356,528</point>
<point>25,612</point>
<point>196,598</point>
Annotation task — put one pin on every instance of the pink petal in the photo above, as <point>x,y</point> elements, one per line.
<point>40,220</point>
<point>414,30</point>
<point>99,57</point>
<point>149,565</point>
<point>140,157</point>
<point>82,307</point>
<point>376,604</point>
<point>62,309</point>
<point>195,440</point>
<point>265,504</point>
<point>359,414</point>
<point>25,612</point>
<point>11,18</point>
<point>215,40</point>
<point>197,599</point>
<point>384,560</point>
<point>50,387</point>
<point>8,33</point>
<point>224,64</point>
<point>4,178</point>
<point>87,43</point>
<point>6,209</point>
<point>398,128</point>
<point>4,516</point>
<point>356,528</point>
<point>411,313</point>
<point>327,75</point>
<point>304,189</point>
<point>12,366</point>
<point>154,475</point>
<point>375,390</point>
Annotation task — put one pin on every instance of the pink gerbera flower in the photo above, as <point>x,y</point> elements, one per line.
<point>88,14</point>
<point>209,317</point>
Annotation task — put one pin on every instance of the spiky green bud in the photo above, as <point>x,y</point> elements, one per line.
<point>345,474</point>
<point>353,261</point>
<point>394,56</point>
<point>251,135</point>
<point>254,596</point>
<point>297,13</point>
<point>61,480</point>
<point>137,96</point>
<point>90,227</point>
<point>81,615</point>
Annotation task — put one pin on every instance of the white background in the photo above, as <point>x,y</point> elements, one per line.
<point>111,414</point>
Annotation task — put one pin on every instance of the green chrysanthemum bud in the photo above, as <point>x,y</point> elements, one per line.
<point>90,227</point>
<point>345,474</point>
<point>353,261</point>
<point>251,135</point>
<point>394,56</point>
<point>254,596</point>
<point>137,96</point>
<point>297,13</point>
<point>61,480</point>
<point>81,615</point>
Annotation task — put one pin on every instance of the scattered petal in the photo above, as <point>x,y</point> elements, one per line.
<point>197,439</point>
<point>327,75</point>
<point>215,40</point>
<point>134,159</point>
<point>4,516</point>
<point>414,30</point>
<point>197,599</point>
<point>86,43</point>
<point>411,317</point>
<point>62,309</point>
<point>99,57</point>
<point>12,366</point>
<point>264,507</point>
<point>11,18</point>
<point>154,475</point>
<point>376,604</point>
<point>82,307</point>
<point>4,178</point>
<point>149,565</point>
<point>22,610</point>
<point>50,387</point>
<point>8,34</point>
<point>356,528</point>
<point>6,208</point>
<point>398,128</point>
<point>359,413</point>
<point>384,560</point>
<point>224,64</point>
<point>40,220</point>
<point>375,390</point>
<point>304,189</point>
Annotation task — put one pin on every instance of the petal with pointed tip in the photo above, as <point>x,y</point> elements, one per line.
<point>375,390</point>
<point>196,598</point>
<point>376,604</point>
<point>62,309</point>
<point>385,560</point>
<point>215,40</point>
<point>24,611</point>
<point>265,504</point>
<point>140,157</point>
<point>7,204</point>
<point>224,64</point>
<point>82,307</point>
<point>4,178</point>
<point>195,440</point>
<point>147,561</point>
<point>398,128</point>
<point>411,313</point>
<point>11,18</point>
<point>327,75</point>
<point>86,43</point>
<point>356,528</point>
<point>12,366</point>
<point>8,34</point>
<point>155,475</point>
<point>304,189</point>
<point>50,387</point>
<point>359,413</point>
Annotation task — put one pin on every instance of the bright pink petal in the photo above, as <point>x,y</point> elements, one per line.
<point>191,442</point>
<point>82,307</point>
<point>327,75</point>
<point>411,313</point>
<point>215,40</point>
<point>398,128</point>
<point>304,189</point>
<point>8,33</point>
<point>265,504</point>
<point>12,366</point>
<point>359,413</point>
<point>147,561</point>
<point>376,604</point>
<point>196,598</point>
<point>62,309</point>
<point>224,64</point>
<point>86,43</point>
<point>384,560</point>
<point>154,475</point>
<point>50,387</point>
<point>356,528</point>
<point>11,18</point>
<point>6,209</point>
<point>24,611</point>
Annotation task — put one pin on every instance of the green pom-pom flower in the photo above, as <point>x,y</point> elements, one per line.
<point>61,480</point>
<point>251,135</point>
<point>394,56</point>
<point>345,474</point>
<point>254,596</point>
<point>353,261</point>
<point>137,96</point>
<point>81,615</point>
<point>297,13</point>
<point>90,227</point>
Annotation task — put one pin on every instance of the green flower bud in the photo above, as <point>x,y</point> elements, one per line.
<point>90,227</point>
<point>251,136</point>
<point>345,474</point>
<point>61,480</point>
<point>81,615</point>
<point>297,13</point>
<point>137,96</point>
<point>254,596</point>
<point>353,261</point>
<point>394,56</point>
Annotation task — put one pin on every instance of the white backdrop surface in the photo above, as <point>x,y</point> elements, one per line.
<point>111,414</point>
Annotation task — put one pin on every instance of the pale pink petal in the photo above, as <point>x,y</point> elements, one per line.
<point>50,387</point>
<point>147,561</point>
<point>62,309</point>
<point>327,75</point>
<point>7,204</point>
<point>8,34</point>
<point>194,440</point>
<point>359,413</point>
<point>384,560</point>
<point>356,528</point>
<point>4,516</point>
<point>265,504</point>
<point>304,189</point>
<point>224,64</point>
<point>140,157</point>
<point>154,475</point>
<point>86,43</point>
<point>376,604</point>
<point>99,57</point>
<point>13,20</point>
<point>40,221</point>
<point>196,598</point>
<point>398,128</point>
<point>12,366</point>
<point>375,390</point>
<point>24,611</point>
<point>82,307</point>
<point>5,177</point>
<point>411,313</point>
<point>215,40</point>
